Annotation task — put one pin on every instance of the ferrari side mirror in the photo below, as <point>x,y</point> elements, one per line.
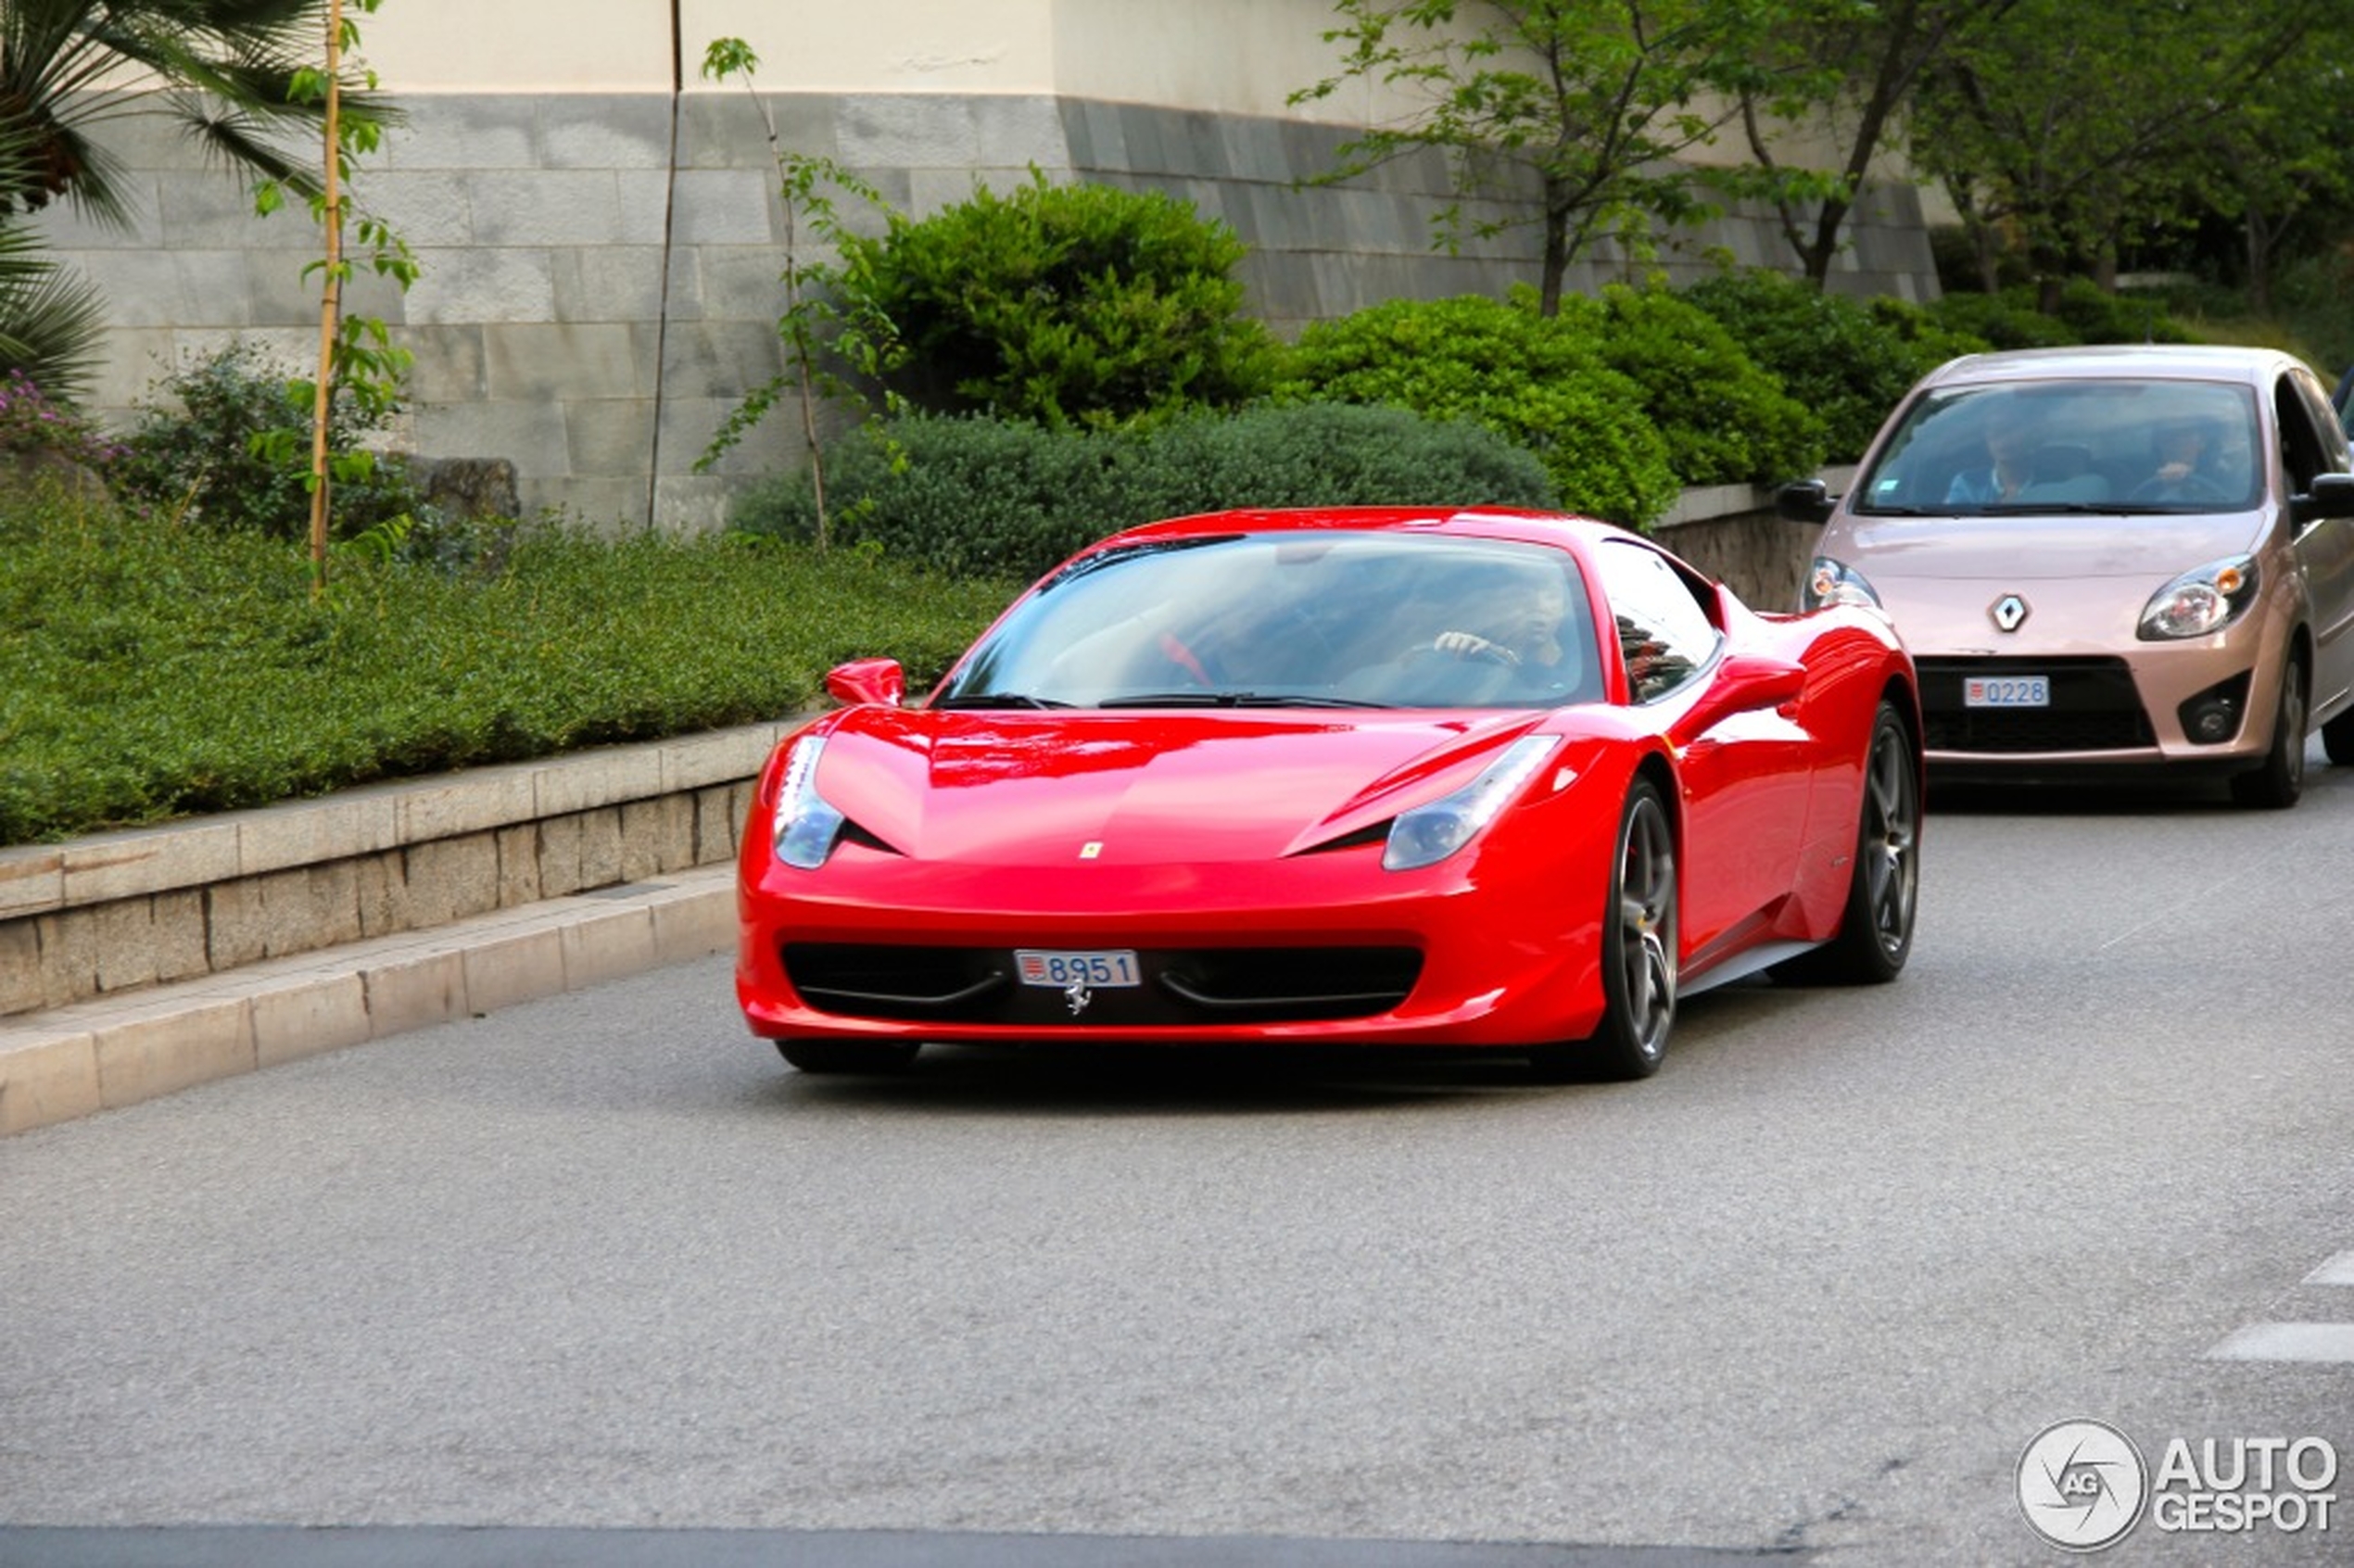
<point>879,681</point>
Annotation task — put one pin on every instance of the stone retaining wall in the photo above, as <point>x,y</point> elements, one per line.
<point>117,912</point>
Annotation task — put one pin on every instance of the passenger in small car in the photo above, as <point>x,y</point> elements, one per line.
<point>2010,442</point>
<point>2181,446</point>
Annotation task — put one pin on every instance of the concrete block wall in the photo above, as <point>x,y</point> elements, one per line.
<point>601,270</point>
<point>120,911</point>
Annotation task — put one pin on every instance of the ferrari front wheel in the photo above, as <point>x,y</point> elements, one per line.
<point>1640,959</point>
<point>847,1056</point>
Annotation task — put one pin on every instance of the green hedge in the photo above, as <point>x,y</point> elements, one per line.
<point>1727,418</point>
<point>1064,304</point>
<point>1545,386</point>
<point>157,670</point>
<point>1839,357</point>
<point>964,496</point>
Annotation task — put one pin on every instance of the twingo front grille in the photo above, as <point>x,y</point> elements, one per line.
<point>1181,986</point>
<point>2095,707</point>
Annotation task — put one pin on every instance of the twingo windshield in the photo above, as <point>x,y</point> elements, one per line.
<point>1294,619</point>
<point>2149,445</point>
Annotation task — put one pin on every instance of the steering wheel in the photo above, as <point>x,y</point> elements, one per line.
<point>2193,487</point>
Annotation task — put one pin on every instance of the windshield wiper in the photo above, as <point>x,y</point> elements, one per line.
<point>1234,700</point>
<point>998,700</point>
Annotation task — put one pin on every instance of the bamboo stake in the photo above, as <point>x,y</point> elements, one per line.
<point>330,306</point>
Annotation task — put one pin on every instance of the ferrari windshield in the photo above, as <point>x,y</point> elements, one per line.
<point>1294,619</point>
<point>2071,446</point>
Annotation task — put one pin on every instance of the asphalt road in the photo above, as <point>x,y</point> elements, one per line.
<point>597,1280</point>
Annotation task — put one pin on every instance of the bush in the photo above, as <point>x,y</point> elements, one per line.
<point>1063,305</point>
<point>1544,385</point>
<point>975,496</point>
<point>157,670</point>
<point>1726,421</point>
<point>2099,316</point>
<point>1846,361</point>
<point>31,426</point>
<point>193,454</point>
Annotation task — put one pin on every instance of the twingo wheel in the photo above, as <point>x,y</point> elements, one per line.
<point>1639,955</point>
<point>847,1056</point>
<point>2276,782</point>
<point>1876,924</point>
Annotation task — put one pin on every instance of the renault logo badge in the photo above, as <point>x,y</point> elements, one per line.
<point>2009,613</point>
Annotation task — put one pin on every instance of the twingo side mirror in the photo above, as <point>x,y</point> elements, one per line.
<point>1805,500</point>
<point>879,681</point>
<point>2332,496</point>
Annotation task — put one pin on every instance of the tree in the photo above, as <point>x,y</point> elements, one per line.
<point>357,359</point>
<point>2068,125</point>
<point>1847,68</point>
<point>223,69</point>
<point>2277,162</point>
<point>1590,102</point>
<point>49,319</point>
<point>821,316</point>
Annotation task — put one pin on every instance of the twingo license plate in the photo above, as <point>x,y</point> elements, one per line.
<point>2007,691</point>
<point>1098,968</point>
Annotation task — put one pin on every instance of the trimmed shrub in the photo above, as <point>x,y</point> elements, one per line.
<point>2098,315</point>
<point>2009,320</point>
<point>971,496</point>
<point>1543,384</point>
<point>1839,357</point>
<point>1063,305</point>
<point>1727,420</point>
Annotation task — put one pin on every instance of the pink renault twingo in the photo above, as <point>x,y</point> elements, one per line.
<point>2109,559</point>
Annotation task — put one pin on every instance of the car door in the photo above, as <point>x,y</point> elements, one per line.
<point>2313,442</point>
<point>1745,776</point>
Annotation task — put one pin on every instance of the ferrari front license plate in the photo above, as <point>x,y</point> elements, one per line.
<point>1096,967</point>
<point>2007,691</point>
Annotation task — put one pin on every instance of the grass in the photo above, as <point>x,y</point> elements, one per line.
<point>154,671</point>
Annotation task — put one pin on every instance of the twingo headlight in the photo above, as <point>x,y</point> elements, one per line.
<point>2201,601</point>
<point>1835,582</point>
<point>807,826</point>
<point>1428,834</point>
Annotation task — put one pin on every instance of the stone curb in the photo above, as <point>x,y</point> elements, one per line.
<point>102,1055</point>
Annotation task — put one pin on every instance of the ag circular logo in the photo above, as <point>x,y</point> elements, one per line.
<point>2080,1484</point>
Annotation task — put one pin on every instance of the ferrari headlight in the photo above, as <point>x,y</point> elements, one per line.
<point>1835,582</point>
<point>807,826</point>
<point>1428,834</point>
<point>2202,601</point>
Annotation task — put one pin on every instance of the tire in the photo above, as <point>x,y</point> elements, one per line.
<point>1640,958</point>
<point>1876,924</point>
<point>2275,783</point>
<point>847,1056</point>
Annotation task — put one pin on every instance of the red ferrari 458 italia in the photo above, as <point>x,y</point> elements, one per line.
<point>1383,776</point>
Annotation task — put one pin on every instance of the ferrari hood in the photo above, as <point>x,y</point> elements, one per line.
<point>2029,549</point>
<point>1047,788</point>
